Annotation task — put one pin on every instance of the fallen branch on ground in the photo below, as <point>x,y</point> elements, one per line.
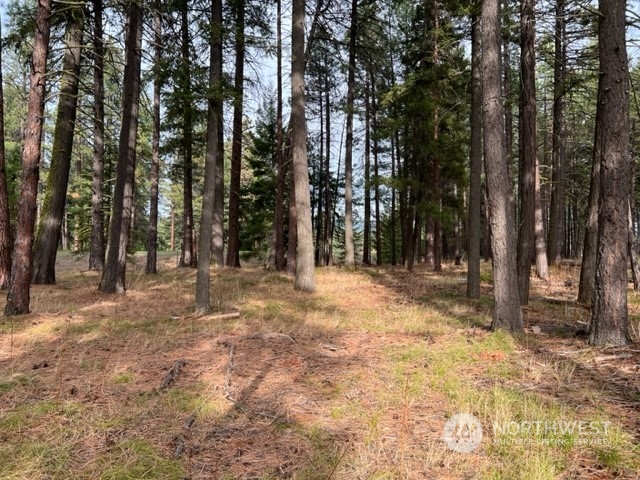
<point>173,373</point>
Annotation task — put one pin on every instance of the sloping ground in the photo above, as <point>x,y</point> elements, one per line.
<point>355,381</point>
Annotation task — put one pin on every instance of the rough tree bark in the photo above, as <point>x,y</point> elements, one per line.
<point>214,117</point>
<point>53,207</point>
<point>114,273</point>
<point>528,147</point>
<point>609,320</point>
<point>20,281</point>
<point>506,313</point>
<point>305,276</point>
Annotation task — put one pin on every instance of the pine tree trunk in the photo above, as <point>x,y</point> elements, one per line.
<point>5,228</point>
<point>366,243</point>
<point>528,148</point>
<point>349,248</point>
<point>327,178</point>
<point>282,172</point>
<point>586,289</point>
<point>506,314</point>
<point>305,276</point>
<point>203,274</point>
<point>635,270</point>
<point>50,225</point>
<point>188,257</point>
<point>114,273</point>
<point>292,240</point>
<point>152,241</point>
<point>97,251</point>
<point>610,321</point>
<point>557,210</point>
<point>542,265</point>
<point>475,161</point>
<point>233,242</point>
<point>19,283</point>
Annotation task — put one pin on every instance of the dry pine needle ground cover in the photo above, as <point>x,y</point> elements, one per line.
<point>353,382</point>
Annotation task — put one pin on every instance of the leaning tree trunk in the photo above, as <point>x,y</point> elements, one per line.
<point>609,320</point>
<point>114,273</point>
<point>96,252</point>
<point>5,229</point>
<point>305,277</point>
<point>20,282</point>
<point>528,148</point>
<point>506,314</point>
<point>233,242</point>
<point>152,240</point>
<point>203,274</point>
<point>53,206</point>
<point>475,160</point>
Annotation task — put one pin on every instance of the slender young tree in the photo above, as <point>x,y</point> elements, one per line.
<point>97,250</point>
<point>609,320</point>
<point>188,256</point>
<point>475,160</point>
<point>20,282</point>
<point>214,116</point>
<point>53,206</point>
<point>5,229</point>
<point>114,273</point>
<point>233,242</point>
<point>349,248</point>
<point>506,314</point>
<point>152,240</point>
<point>279,244</point>
<point>305,276</point>
<point>528,147</point>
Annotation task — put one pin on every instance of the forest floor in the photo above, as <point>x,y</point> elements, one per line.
<point>355,381</point>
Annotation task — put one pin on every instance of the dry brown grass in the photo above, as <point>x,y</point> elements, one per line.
<point>353,382</point>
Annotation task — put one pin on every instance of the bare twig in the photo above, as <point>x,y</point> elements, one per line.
<point>173,373</point>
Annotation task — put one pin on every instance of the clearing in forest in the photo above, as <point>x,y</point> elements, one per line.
<point>355,381</point>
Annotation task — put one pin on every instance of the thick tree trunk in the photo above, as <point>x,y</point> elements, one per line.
<point>528,148</point>
<point>152,241</point>
<point>557,211</point>
<point>610,321</point>
<point>475,161</point>
<point>233,243</point>
<point>53,206</point>
<point>586,289</point>
<point>506,314</point>
<point>292,240</point>
<point>349,249</point>
<point>114,273</point>
<point>97,251</point>
<point>19,284</point>
<point>305,276</point>
<point>5,229</point>
<point>203,274</point>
